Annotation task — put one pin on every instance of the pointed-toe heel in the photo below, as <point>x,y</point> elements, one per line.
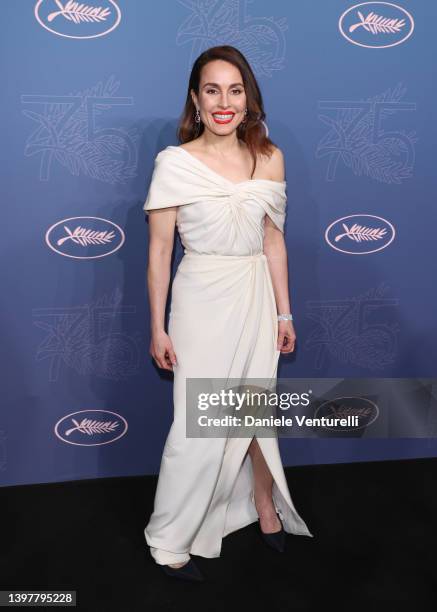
<point>189,571</point>
<point>275,540</point>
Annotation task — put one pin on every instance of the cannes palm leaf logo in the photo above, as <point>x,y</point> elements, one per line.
<point>358,233</point>
<point>389,25</point>
<point>76,12</point>
<point>85,237</point>
<point>91,427</point>
<point>342,412</point>
<point>377,24</point>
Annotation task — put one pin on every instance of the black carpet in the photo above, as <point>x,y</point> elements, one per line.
<point>373,547</point>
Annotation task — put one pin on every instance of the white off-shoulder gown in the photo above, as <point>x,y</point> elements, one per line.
<point>223,324</point>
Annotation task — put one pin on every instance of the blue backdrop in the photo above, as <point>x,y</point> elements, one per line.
<point>91,93</point>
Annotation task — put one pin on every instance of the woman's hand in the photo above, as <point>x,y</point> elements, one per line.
<point>286,337</point>
<point>161,349</point>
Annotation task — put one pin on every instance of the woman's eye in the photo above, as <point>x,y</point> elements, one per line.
<point>238,91</point>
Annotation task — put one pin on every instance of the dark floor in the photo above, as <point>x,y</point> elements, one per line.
<point>373,549</point>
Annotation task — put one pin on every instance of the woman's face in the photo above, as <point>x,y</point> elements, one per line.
<point>222,99</point>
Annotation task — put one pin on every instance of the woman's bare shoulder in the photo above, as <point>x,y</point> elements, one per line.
<point>273,165</point>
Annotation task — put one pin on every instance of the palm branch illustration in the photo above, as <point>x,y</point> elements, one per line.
<point>85,237</point>
<point>376,24</point>
<point>343,411</point>
<point>75,12</point>
<point>90,427</point>
<point>337,331</point>
<point>211,22</point>
<point>79,340</point>
<point>389,159</point>
<point>358,233</point>
<point>109,155</point>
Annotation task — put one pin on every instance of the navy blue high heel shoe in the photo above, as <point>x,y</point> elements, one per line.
<point>275,540</point>
<point>189,571</point>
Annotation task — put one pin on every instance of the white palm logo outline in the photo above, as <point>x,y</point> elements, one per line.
<point>376,24</point>
<point>75,12</point>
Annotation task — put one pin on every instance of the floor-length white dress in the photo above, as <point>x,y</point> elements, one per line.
<point>223,324</point>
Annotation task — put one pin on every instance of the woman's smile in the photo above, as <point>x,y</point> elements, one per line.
<point>223,117</point>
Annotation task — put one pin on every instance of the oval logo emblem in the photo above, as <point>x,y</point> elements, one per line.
<point>78,19</point>
<point>376,25</point>
<point>91,427</point>
<point>360,234</point>
<point>365,410</point>
<point>85,237</point>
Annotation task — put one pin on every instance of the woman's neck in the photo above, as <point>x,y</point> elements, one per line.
<point>224,145</point>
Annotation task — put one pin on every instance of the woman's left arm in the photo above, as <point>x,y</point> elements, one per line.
<point>276,252</point>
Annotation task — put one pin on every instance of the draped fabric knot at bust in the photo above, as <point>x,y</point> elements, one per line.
<point>214,214</point>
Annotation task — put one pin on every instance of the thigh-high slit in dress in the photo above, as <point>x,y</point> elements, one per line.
<point>223,324</point>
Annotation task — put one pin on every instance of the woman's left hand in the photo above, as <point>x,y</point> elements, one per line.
<point>286,337</point>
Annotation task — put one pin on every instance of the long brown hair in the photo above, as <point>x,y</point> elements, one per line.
<point>252,130</point>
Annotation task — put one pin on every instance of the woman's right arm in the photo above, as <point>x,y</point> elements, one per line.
<point>161,240</point>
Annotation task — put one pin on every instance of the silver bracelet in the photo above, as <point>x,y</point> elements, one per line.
<point>285,317</point>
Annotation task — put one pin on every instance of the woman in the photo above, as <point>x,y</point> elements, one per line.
<point>224,188</point>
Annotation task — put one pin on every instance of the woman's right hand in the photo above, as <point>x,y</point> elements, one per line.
<point>161,349</point>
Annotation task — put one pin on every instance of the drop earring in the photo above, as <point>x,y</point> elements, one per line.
<point>197,116</point>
